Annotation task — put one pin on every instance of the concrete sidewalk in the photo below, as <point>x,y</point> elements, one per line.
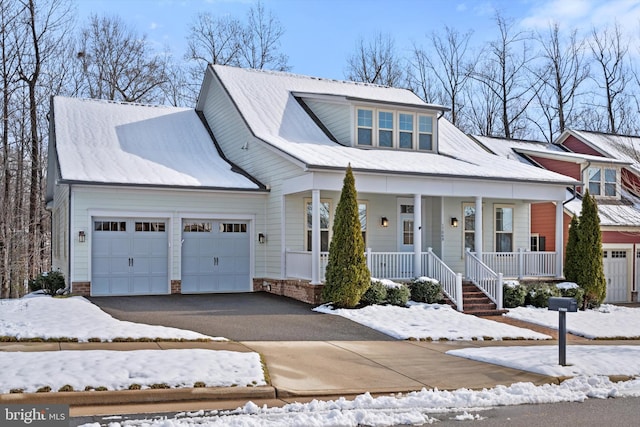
<point>298,371</point>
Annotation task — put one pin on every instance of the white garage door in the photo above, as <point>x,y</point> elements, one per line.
<point>215,256</point>
<point>129,256</point>
<point>615,272</point>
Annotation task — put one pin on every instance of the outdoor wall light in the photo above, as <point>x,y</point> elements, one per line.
<point>454,222</point>
<point>262,238</point>
<point>81,236</point>
<point>384,222</point>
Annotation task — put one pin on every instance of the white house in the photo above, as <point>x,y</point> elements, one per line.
<point>239,194</point>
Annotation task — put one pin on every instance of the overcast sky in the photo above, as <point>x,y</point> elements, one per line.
<point>321,34</point>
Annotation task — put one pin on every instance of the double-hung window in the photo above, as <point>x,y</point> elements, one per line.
<point>425,133</point>
<point>365,127</point>
<point>385,129</point>
<point>325,220</point>
<point>602,181</point>
<point>406,130</point>
<point>504,228</point>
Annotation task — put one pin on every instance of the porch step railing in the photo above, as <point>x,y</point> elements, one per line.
<point>451,282</point>
<point>522,263</point>
<point>487,280</point>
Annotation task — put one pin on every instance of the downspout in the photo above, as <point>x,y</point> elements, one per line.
<point>69,237</point>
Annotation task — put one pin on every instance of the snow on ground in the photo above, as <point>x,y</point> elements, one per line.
<point>117,370</point>
<point>609,321</point>
<point>416,408</point>
<point>431,321</point>
<point>580,359</point>
<point>76,317</point>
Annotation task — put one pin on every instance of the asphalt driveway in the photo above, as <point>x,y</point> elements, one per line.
<point>255,316</point>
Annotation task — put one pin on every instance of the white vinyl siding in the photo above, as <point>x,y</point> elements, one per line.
<point>60,231</point>
<point>171,204</point>
<point>335,117</point>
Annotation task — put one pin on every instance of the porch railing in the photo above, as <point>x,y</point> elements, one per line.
<point>451,282</point>
<point>390,265</point>
<point>522,263</point>
<point>298,264</point>
<point>487,280</point>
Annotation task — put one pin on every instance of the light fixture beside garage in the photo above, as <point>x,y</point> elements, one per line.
<point>262,238</point>
<point>81,236</point>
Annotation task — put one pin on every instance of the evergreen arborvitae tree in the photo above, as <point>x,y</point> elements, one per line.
<point>590,272</point>
<point>572,256</point>
<point>347,277</point>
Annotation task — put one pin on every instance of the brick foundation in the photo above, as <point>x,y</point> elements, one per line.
<point>81,288</point>
<point>300,290</point>
<point>176,286</point>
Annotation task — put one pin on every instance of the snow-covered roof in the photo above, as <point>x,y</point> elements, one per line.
<point>509,148</point>
<point>613,213</point>
<point>267,103</point>
<point>122,143</point>
<point>619,147</point>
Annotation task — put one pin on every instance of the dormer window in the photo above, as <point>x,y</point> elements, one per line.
<point>603,181</point>
<point>394,129</point>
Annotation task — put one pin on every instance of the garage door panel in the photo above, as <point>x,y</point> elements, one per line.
<point>126,261</point>
<point>215,256</point>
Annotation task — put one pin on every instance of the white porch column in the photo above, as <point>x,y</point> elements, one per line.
<point>559,238</point>
<point>315,237</point>
<point>478,228</point>
<point>417,235</point>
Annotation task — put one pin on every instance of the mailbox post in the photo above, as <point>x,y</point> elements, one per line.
<point>562,305</point>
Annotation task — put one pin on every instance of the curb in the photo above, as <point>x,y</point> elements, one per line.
<point>116,397</point>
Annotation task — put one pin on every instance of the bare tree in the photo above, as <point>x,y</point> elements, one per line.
<point>118,64</point>
<point>563,70</point>
<point>376,62</point>
<point>42,27</point>
<point>261,41</point>
<point>504,71</point>
<point>609,49</point>
<point>449,61</point>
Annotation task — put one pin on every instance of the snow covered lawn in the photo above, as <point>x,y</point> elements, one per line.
<point>117,370</point>
<point>608,322</point>
<point>77,318</point>
<point>620,360</point>
<point>431,322</point>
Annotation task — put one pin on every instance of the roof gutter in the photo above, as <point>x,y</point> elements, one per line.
<point>166,186</point>
<point>321,168</point>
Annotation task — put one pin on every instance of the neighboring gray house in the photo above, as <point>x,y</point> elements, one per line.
<point>239,194</point>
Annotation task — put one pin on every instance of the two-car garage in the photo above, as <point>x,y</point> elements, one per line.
<point>130,256</point>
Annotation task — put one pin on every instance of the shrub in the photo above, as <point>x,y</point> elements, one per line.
<point>513,294</point>
<point>571,290</point>
<point>50,282</point>
<point>347,276</point>
<point>376,294</point>
<point>425,289</point>
<point>398,295</point>
<point>539,294</point>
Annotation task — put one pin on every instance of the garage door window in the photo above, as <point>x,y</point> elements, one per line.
<point>233,228</point>
<point>145,226</point>
<point>197,227</point>
<point>110,226</point>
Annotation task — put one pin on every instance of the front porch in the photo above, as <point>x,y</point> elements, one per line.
<point>487,274</point>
